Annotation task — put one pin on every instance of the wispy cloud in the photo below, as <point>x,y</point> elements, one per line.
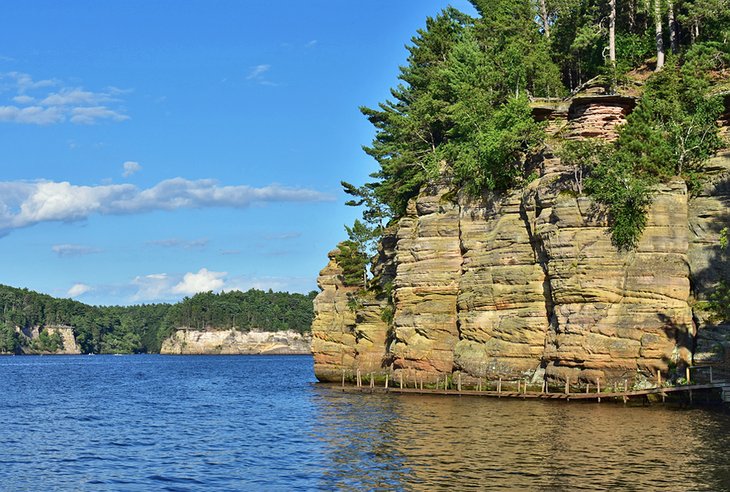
<point>282,236</point>
<point>195,244</point>
<point>65,250</point>
<point>78,290</point>
<point>129,168</point>
<point>23,204</point>
<point>311,44</point>
<point>259,73</point>
<point>32,103</point>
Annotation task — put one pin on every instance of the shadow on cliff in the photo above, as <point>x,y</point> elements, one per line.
<point>717,267</point>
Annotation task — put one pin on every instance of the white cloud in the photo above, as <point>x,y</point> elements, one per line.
<point>24,99</point>
<point>35,115</point>
<point>130,167</point>
<point>77,290</point>
<point>73,104</point>
<point>74,97</point>
<point>203,281</point>
<point>23,204</point>
<point>64,250</point>
<point>311,44</point>
<point>90,115</point>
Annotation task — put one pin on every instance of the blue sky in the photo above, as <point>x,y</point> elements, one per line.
<point>153,149</point>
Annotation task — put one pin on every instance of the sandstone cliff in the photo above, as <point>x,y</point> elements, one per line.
<point>528,284</point>
<point>234,342</point>
<point>65,333</point>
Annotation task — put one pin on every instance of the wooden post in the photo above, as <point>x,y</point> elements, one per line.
<point>421,383</point>
<point>518,386</point>
<point>588,387</point>
<point>343,378</point>
<point>372,380</point>
<point>659,378</point>
<point>358,382</point>
<point>386,381</point>
<point>401,379</point>
<point>479,388</point>
<point>459,383</point>
<point>525,386</point>
<point>598,388</point>
<point>499,386</point>
<point>687,372</point>
<point>626,385</point>
<point>567,385</point>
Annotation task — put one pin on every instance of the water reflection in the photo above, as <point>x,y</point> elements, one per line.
<point>431,442</point>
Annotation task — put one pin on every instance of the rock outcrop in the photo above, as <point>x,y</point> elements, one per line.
<point>33,334</point>
<point>528,284</point>
<point>234,342</point>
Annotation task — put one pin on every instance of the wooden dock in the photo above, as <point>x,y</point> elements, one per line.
<point>689,392</point>
<point>711,391</point>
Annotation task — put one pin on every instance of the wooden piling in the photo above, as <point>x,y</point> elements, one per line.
<point>459,383</point>
<point>598,388</point>
<point>567,385</point>
<point>386,381</point>
<point>518,386</point>
<point>401,379</point>
<point>358,381</point>
<point>499,386</point>
<point>687,372</point>
<point>372,380</point>
<point>479,387</point>
<point>343,378</point>
<point>588,387</point>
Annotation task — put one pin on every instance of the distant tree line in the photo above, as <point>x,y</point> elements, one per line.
<point>142,328</point>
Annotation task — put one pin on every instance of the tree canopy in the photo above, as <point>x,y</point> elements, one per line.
<point>461,110</point>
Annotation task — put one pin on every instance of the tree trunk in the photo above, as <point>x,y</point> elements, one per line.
<point>544,14</point>
<point>612,34</point>
<point>673,37</point>
<point>659,35</point>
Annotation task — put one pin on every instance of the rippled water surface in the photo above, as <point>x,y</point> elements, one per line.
<point>260,423</point>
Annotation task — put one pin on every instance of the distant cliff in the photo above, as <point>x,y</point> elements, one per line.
<point>528,283</point>
<point>229,342</point>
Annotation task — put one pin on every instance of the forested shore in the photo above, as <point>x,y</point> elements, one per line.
<point>141,328</point>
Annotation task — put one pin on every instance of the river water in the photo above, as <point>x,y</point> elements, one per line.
<point>150,422</point>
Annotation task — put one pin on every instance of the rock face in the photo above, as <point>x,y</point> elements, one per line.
<point>234,342</point>
<point>70,347</point>
<point>528,284</point>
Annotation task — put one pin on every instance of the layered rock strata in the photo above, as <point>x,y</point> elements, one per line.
<point>528,284</point>
<point>234,342</point>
